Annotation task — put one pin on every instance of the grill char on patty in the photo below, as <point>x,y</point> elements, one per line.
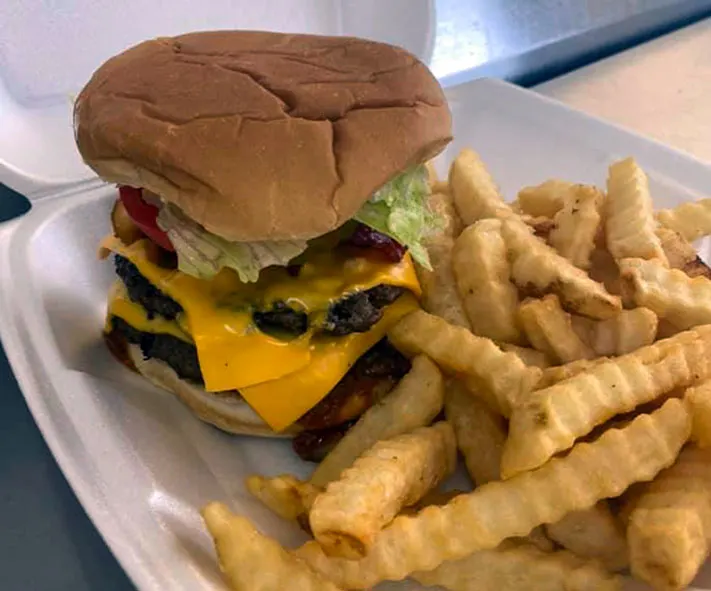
<point>356,312</point>
<point>143,292</point>
<point>178,354</point>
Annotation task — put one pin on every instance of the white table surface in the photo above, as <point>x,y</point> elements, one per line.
<point>661,89</point>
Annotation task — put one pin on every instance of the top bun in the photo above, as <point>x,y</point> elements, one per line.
<point>261,136</point>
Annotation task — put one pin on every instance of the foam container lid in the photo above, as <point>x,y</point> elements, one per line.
<point>49,50</point>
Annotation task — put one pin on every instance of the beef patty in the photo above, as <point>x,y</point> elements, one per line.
<point>356,312</point>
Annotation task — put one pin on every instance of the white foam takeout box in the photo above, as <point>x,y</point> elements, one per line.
<point>140,464</point>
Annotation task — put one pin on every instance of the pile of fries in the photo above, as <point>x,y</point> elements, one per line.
<point>564,352</point>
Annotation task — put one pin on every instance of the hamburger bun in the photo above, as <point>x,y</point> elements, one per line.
<point>261,136</point>
<point>229,413</point>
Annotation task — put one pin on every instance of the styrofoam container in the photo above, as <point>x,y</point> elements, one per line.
<point>139,462</point>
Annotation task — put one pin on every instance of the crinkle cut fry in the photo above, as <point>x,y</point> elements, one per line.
<point>528,355</point>
<point>537,269</point>
<point>593,534</point>
<point>545,199</point>
<point>251,560</point>
<point>285,494</point>
<point>630,225</point>
<point>414,402</point>
<point>549,329</point>
<point>517,566</point>
<point>393,474</point>
<point>480,432</point>
<point>691,219</point>
<point>499,510</point>
<point>624,333</point>
<point>458,351</point>
<point>439,290</point>
<point>552,419</point>
<point>698,398</point>
<point>483,279</point>
<point>670,524</point>
<point>669,293</point>
<point>576,225</point>
<point>476,195</point>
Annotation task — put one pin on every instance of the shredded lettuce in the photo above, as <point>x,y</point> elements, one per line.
<point>202,254</point>
<point>400,210</point>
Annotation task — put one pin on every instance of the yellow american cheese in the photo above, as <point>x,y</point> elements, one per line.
<point>280,402</point>
<point>120,305</point>
<point>280,379</point>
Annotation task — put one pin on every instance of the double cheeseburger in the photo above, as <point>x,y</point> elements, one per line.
<point>272,203</point>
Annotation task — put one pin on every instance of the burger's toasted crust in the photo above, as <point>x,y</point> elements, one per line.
<point>233,415</point>
<point>261,136</point>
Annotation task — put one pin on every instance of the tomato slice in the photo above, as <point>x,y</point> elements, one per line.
<point>144,215</point>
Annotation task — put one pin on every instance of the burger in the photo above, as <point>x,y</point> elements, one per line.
<point>272,206</point>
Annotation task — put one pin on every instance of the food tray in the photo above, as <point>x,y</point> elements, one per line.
<point>140,464</point>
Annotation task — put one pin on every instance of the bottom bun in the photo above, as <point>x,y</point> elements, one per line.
<point>227,412</point>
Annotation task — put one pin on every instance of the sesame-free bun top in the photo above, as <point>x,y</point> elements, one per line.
<point>261,136</point>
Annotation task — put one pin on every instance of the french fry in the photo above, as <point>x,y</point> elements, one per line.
<point>544,200</point>
<point>666,329</point>
<point>541,226</point>
<point>527,355</point>
<point>691,219</point>
<point>559,373</point>
<point>480,435</point>
<point>628,331</point>
<point>501,378</point>
<point>482,276</point>
<point>630,224</point>
<point>697,268</point>
<point>286,495</point>
<point>550,420</point>
<point>681,254</point>
<point>439,290</point>
<point>549,329</point>
<point>537,269</point>
<point>482,519</point>
<point>394,473</point>
<point>604,270</point>
<point>576,225</point>
<point>539,539</point>
<point>434,497</point>
<point>414,402</point>
<point>678,251</point>
<point>594,534</point>
<point>476,195</point>
<point>670,525</point>
<point>443,205</point>
<point>480,432</point>
<point>662,348</point>
<point>669,293</point>
<point>698,398</point>
<point>514,566</point>
<point>251,560</point>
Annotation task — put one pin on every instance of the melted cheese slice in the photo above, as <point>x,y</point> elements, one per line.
<point>234,354</point>
<point>120,305</point>
<point>281,402</point>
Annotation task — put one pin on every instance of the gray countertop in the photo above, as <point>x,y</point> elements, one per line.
<point>47,542</point>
